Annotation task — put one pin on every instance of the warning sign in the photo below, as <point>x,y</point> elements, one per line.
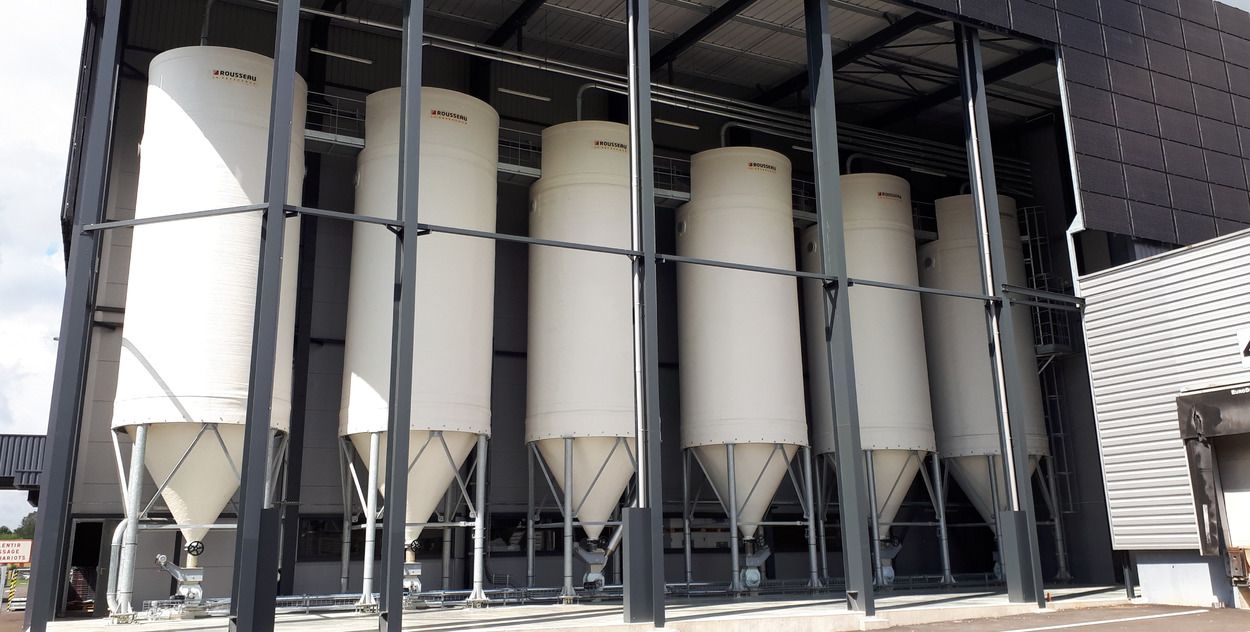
<point>14,551</point>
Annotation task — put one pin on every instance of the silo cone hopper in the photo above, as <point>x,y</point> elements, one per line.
<point>759,469</point>
<point>980,483</point>
<point>602,469</point>
<point>434,459</point>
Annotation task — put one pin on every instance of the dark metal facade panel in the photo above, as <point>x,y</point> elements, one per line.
<point>1171,78</point>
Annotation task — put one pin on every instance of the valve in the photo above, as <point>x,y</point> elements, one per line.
<point>194,547</point>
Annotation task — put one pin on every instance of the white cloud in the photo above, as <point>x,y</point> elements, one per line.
<point>39,52</point>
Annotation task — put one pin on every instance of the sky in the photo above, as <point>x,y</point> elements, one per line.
<point>40,45</point>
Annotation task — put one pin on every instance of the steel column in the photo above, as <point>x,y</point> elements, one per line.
<point>371,523</point>
<point>130,538</point>
<point>1017,528</point>
<point>256,540</point>
<point>478,596</point>
<point>73,352</point>
<point>390,616</point>
<point>644,570</point>
<point>851,479</point>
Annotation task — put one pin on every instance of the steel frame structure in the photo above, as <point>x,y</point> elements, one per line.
<point>253,599</point>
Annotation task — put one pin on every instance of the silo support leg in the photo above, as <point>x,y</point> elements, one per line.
<point>734,585</point>
<point>567,593</point>
<point>130,539</point>
<point>933,484</point>
<point>367,600</point>
<point>478,596</point>
<point>345,554</point>
<point>821,506</point>
<point>1051,495</point>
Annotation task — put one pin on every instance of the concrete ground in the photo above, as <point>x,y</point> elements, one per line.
<point>1127,618</point>
<point>826,613</point>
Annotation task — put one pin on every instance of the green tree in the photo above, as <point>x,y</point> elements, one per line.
<point>5,530</point>
<point>26,530</point>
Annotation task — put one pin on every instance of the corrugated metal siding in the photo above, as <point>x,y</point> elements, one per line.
<point>1153,329</point>
<point>21,459</point>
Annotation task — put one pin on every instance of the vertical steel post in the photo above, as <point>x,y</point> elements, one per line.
<point>1061,546</point>
<point>820,518</point>
<point>567,593</point>
<point>686,512</point>
<point>130,539</point>
<point>371,523</point>
<point>943,536</point>
<point>345,554</point>
<point>478,596</point>
<point>256,538</point>
<point>814,580</point>
<point>529,518</point>
<point>390,615</point>
<point>1018,525</point>
<point>644,568</point>
<point>852,483</point>
<point>735,569</point>
<point>74,350</point>
<point>447,510</point>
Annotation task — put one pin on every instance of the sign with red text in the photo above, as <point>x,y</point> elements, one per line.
<point>14,551</point>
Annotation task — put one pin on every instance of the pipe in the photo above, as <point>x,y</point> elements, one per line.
<point>724,132</point>
<point>943,536</point>
<point>878,567</point>
<point>208,10</point>
<point>994,504</point>
<point>115,551</point>
<point>371,522</point>
<point>850,161</point>
<point>567,593</point>
<point>478,596</point>
<point>529,519</point>
<point>814,580</point>
<point>734,585</point>
<point>130,541</point>
<point>821,512</point>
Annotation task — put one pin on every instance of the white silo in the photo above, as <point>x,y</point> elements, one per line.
<point>891,379</point>
<point>580,352</point>
<point>965,416</point>
<point>183,376</point>
<point>452,343</point>
<point>741,360</point>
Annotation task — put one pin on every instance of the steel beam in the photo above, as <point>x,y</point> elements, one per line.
<point>1017,524</point>
<point>256,541</point>
<point>644,554</point>
<point>515,22</point>
<point>701,29</point>
<point>850,55</point>
<point>852,483</point>
<point>391,607</point>
<point>952,91</point>
<point>70,377</point>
